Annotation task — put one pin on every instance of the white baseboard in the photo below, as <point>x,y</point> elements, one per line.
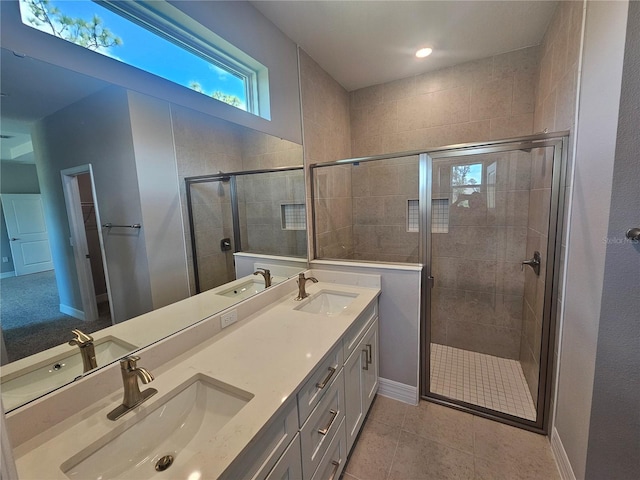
<point>7,274</point>
<point>566,472</point>
<point>73,312</point>
<point>398,391</point>
<point>103,297</point>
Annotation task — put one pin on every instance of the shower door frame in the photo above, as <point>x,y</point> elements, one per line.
<point>559,141</point>
<point>235,213</point>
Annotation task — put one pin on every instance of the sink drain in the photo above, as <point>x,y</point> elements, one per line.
<point>163,463</point>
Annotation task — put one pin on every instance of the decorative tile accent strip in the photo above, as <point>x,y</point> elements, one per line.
<point>294,216</point>
<point>413,215</point>
<point>440,215</point>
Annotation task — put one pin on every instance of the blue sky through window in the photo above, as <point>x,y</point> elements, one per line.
<point>148,51</point>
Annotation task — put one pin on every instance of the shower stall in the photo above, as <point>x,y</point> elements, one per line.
<point>256,211</point>
<point>484,221</point>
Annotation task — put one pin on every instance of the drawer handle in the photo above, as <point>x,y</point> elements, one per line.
<point>369,353</point>
<point>323,384</point>
<point>336,465</point>
<point>366,363</point>
<point>334,414</point>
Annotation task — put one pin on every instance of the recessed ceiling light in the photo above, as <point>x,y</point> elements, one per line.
<point>424,52</point>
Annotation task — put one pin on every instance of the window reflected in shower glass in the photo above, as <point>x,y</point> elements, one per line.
<point>466,183</point>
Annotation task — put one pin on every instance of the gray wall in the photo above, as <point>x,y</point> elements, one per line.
<point>614,430</point>
<point>155,163</point>
<point>596,132</point>
<point>14,178</point>
<point>96,131</point>
<point>18,178</point>
<point>237,22</point>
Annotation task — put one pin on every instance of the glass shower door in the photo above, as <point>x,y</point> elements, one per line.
<point>491,240</point>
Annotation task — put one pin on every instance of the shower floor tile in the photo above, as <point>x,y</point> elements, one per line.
<point>484,380</point>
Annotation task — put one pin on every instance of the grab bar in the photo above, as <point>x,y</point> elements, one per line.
<point>111,225</point>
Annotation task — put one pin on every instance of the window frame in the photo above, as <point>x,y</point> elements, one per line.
<point>166,21</point>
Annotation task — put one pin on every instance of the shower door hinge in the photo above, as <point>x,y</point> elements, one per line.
<point>431,280</point>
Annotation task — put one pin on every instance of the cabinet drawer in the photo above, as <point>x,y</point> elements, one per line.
<point>358,329</point>
<point>333,462</point>
<point>257,462</point>
<point>314,388</point>
<point>289,467</point>
<point>321,426</point>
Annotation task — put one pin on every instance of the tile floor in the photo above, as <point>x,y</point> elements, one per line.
<point>403,442</point>
<point>491,382</point>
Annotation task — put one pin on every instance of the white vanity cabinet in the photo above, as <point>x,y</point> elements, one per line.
<point>361,381</point>
<point>266,454</point>
<point>328,410</point>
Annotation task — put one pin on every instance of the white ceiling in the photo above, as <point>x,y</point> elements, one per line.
<point>363,43</point>
<point>33,90</point>
<point>359,43</point>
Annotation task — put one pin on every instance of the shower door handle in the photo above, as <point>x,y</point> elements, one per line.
<point>533,263</point>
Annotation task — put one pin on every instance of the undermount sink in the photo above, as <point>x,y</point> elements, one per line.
<point>244,290</point>
<point>327,302</point>
<point>248,288</point>
<point>51,373</point>
<point>165,438</point>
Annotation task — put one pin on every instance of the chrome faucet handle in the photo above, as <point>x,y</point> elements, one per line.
<point>80,338</point>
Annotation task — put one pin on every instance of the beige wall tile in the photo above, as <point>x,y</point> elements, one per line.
<point>474,72</point>
<point>491,99</point>
<point>399,89</point>
<point>437,80</point>
<point>518,62</point>
<point>383,118</point>
<point>512,126</point>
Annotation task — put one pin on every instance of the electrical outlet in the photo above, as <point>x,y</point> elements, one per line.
<point>5,259</point>
<point>228,318</point>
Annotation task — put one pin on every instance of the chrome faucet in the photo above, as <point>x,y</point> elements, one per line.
<point>87,350</point>
<point>302,293</point>
<point>132,394</point>
<point>266,273</point>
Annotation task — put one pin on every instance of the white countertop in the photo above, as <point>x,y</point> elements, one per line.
<point>269,356</point>
<point>136,332</point>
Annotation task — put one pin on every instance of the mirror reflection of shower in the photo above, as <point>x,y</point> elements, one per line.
<point>259,212</point>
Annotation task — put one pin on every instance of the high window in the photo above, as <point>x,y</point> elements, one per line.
<point>158,38</point>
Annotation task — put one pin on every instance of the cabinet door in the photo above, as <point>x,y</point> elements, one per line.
<point>354,393</point>
<point>289,467</point>
<point>370,374</point>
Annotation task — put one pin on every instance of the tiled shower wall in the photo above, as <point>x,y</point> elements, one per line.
<point>477,295</point>
<point>327,137</point>
<point>534,286</point>
<point>555,107</point>
<point>381,191</point>
<point>486,99</point>
<point>260,198</point>
<point>206,145</point>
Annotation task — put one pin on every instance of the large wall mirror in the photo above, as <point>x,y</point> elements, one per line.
<point>103,222</point>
